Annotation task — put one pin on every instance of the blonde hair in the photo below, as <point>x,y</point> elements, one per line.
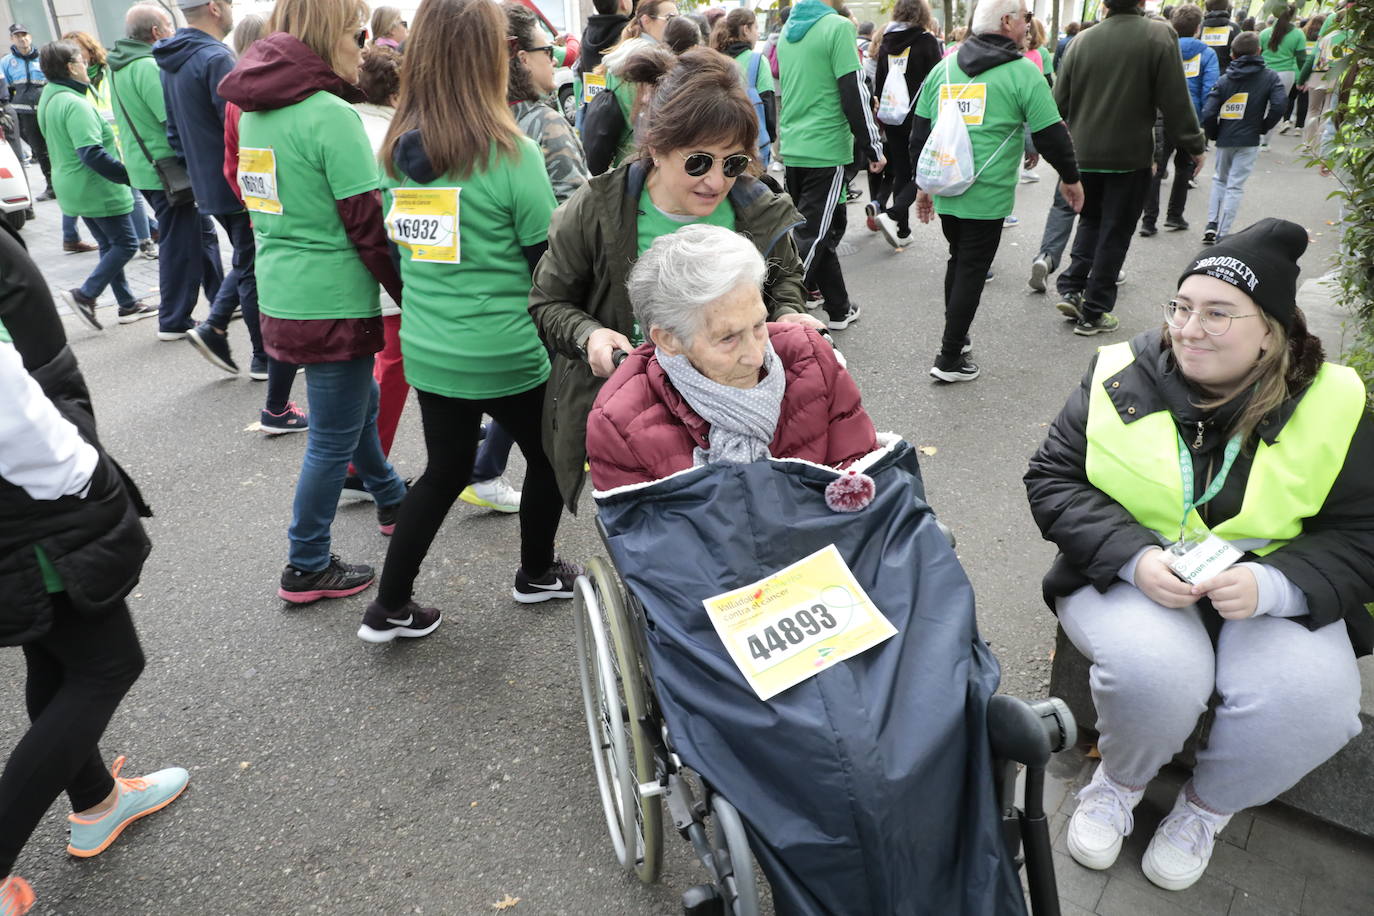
<point>1268,382</point>
<point>318,23</point>
<point>384,19</point>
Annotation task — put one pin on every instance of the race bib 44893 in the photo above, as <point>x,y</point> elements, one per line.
<point>1216,36</point>
<point>258,180</point>
<point>425,221</point>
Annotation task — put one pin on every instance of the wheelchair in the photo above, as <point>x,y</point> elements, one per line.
<point>639,773</point>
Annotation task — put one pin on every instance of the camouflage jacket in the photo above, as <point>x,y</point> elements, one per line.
<point>563,158</point>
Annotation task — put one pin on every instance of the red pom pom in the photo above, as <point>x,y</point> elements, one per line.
<point>849,492</point>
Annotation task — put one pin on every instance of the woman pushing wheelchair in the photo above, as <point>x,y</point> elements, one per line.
<point>1208,488</point>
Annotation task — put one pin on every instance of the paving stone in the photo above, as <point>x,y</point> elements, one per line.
<point>1077,884</point>
<point>1067,908</point>
<point>1247,904</point>
<point>1280,887</point>
<point>1325,854</point>
<point>1237,833</point>
<point>1126,898</point>
<point>1336,898</point>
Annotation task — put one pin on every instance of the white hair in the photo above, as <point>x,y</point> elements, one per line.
<point>687,270</point>
<point>987,16</point>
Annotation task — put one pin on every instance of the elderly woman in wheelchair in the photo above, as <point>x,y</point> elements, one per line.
<point>793,627</point>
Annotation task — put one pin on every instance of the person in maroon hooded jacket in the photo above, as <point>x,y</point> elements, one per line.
<point>718,382</point>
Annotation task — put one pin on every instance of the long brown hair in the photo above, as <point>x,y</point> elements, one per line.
<point>318,24</point>
<point>453,88</point>
<point>729,29</point>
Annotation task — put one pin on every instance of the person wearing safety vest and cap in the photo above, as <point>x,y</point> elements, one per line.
<point>1208,488</point>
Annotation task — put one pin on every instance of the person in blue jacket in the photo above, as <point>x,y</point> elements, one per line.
<point>1242,107</point>
<point>25,82</point>
<point>1201,69</point>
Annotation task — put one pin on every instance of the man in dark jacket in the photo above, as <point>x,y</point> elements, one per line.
<point>1218,31</point>
<point>193,61</point>
<point>71,549</point>
<point>186,238</point>
<point>1242,107</point>
<point>602,31</point>
<point>1117,76</point>
<point>26,81</point>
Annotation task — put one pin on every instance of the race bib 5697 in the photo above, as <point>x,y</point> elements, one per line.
<point>1233,109</point>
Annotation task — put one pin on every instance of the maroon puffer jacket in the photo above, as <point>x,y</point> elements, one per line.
<point>641,429</point>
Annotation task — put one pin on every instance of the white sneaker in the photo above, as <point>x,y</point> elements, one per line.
<point>492,494</point>
<point>1182,846</point>
<point>1029,177</point>
<point>1102,821</point>
<point>888,226</point>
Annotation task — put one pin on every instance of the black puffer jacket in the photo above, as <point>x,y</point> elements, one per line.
<point>923,53</point>
<point>1221,19</point>
<point>1332,562</point>
<point>96,542</point>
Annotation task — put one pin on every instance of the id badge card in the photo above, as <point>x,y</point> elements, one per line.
<point>1199,556</point>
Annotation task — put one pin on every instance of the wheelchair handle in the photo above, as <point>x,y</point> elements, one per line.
<point>1029,732</point>
<point>617,357</point>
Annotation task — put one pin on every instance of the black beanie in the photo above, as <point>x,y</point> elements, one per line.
<point>1260,261</point>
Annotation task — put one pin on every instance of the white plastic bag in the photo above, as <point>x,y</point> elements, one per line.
<point>945,167</point>
<point>895,103</point>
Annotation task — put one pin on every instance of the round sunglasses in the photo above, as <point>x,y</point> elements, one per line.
<point>698,164</point>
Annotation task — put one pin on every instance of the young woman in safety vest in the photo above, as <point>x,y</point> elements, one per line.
<point>1208,488</point>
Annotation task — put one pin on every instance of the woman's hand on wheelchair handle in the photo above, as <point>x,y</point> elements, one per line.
<point>1154,577</point>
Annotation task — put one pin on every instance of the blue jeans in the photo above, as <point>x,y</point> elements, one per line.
<point>1058,228</point>
<point>493,455</point>
<point>240,286</point>
<point>343,426</point>
<point>187,239</point>
<point>115,236</point>
<point>70,232</point>
<point>142,223</point>
<point>1233,168</point>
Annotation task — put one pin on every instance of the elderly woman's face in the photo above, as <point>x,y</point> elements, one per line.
<point>673,187</point>
<point>1217,362</point>
<point>730,344</point>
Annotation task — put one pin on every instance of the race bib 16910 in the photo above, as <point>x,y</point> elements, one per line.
<point>258,180</point>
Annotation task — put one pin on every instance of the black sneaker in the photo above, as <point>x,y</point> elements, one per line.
<point>1102,324</point>
<point>1147,230</point>
<point>137,312</point>
<point>353,490</point>
<point>1209,236</point>
<point>82,307</point>
<point>1175,224</point>
<point>1070,305</point>
<point>556,583</point>
<point>961,370</point>
<point>967,347</point>
<point>214,346</point>
<point>380,625</point>
<point>386,518</point>
<point>839,324</point>
<point>257,368</point>
<point>337,580</point>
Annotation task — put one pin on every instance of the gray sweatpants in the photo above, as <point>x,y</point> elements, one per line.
<point>1290,697</point>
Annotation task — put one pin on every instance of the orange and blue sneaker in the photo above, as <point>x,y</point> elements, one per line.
<point>16,897</point>
<point>137,798</point>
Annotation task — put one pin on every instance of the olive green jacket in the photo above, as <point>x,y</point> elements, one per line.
<point>579,287</point>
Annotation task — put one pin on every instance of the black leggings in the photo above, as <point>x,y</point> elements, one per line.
<point>78,675</point>
<point>451,427</point>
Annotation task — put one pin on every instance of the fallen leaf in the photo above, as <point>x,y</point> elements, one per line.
<point>1094,753</point>
<point>927,450</point>
<point>253,427</point>
<point>506,903</point>
<point>244,765</point>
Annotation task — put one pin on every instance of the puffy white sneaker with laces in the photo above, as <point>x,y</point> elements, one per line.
<point>1182,846</point>
<point>1102,821</point>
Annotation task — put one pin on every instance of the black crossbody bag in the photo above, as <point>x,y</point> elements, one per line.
<point>176,182</point>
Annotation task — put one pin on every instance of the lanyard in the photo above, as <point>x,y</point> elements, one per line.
<point>1185,467</point>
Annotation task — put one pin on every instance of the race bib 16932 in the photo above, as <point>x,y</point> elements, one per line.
<point>425,222</point>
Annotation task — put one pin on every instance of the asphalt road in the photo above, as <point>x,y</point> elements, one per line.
<point>440,776</point>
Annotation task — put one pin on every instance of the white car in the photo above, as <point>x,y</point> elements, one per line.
<point>15,199</point>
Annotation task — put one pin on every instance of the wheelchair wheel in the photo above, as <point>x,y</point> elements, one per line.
<point>731,841</point>
<point>615,699</point>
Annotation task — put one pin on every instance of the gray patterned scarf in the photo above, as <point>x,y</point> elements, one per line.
<point>743,420</point>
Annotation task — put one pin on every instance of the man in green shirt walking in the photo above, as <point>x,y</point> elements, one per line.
<point>829,114</point>
<point>188,248</point>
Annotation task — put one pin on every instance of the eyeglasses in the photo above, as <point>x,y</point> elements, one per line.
<point>547,49</point>
<point>698,164</point>
<point>404,24</point>
<point>1214,321</point>
<point>360,37</point>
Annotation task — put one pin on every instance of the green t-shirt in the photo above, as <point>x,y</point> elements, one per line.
<point>1285,59</point>
<point>294,163</point>
<point>997,103</point>
<point>139,91</point>
<point>69,121</point>
<point>815,132</point>
<point>625,96</point>
<point>466,330</point>
<point>651,223</point>
<point>764,82</point>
